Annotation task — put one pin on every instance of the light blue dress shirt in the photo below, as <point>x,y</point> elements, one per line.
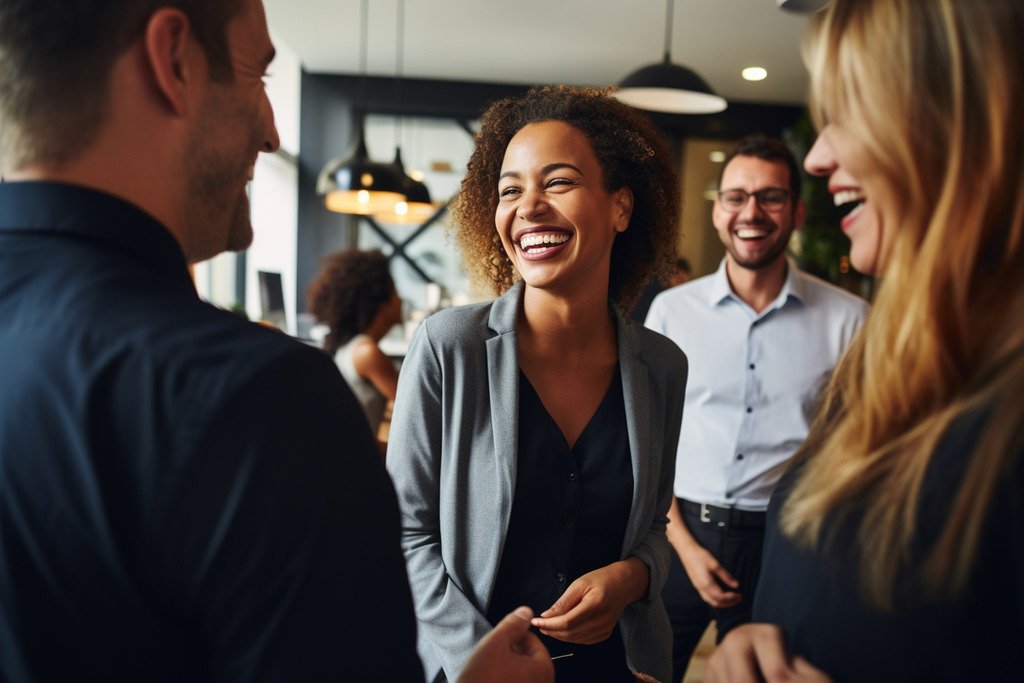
<point>754,378</point>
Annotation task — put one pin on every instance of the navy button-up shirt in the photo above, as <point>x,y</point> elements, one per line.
<point>184,495</point>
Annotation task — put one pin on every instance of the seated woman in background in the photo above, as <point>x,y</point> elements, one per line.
<point>895,548</point>
<point>533,441</point>
<point>355,297</point>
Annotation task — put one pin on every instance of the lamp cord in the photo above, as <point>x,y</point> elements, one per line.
<point>399,64</point>
<point>364,30</point>
<point>668,28</point>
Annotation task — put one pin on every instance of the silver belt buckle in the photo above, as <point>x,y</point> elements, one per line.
<point>705,513</point>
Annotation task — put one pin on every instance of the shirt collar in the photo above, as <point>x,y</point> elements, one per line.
<point>59,208</point>
<point>794,286</point>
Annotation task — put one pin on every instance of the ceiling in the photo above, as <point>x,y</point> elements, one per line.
<point>580,42</point>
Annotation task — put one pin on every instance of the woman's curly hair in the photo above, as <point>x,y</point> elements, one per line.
<point>347,293</point>
<point>631,153</point>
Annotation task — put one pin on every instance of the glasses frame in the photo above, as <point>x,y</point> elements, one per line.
<point>758,198</point>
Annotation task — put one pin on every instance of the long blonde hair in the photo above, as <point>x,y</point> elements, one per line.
<point>934,91</point>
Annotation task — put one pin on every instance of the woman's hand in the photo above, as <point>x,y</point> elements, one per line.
<point>588,610</point>
<point>757,652</point>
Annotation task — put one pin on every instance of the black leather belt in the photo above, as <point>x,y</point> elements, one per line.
<point>723,517</point>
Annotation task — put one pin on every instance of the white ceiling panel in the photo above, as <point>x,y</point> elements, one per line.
<point>583,42</point>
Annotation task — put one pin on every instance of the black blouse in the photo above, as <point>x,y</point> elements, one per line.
<point>568,518</point>
<point>815,595</point>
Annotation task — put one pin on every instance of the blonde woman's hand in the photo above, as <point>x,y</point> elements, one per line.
<point>757,652</point>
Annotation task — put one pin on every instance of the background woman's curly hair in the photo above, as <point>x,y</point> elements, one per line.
<point>347,293</point>
<point>631,153</point>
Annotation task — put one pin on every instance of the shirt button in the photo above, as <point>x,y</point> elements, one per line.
<point>572,476</point>
<point>739,456</point>
<point>560,577</point>
<point>728,494</point>
<point>567,525</point>
<point>749,409</point>
<point>751,366</point>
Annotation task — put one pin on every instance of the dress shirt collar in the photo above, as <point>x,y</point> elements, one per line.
<point>62,209</point>
<point>793,286</point>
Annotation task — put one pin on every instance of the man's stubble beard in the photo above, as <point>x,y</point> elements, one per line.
<point>218,211</point>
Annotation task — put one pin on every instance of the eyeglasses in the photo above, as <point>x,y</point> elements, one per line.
<point>769,199</point>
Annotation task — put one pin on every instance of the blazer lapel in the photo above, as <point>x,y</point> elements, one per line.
<point>636,396</point>
<point>503,387</point>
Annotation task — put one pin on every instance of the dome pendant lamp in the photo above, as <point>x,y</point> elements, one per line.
<point>357,184</point>
<point>416,208</point>
<point>667,87</point>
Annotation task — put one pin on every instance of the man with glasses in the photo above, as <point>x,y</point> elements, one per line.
<point>761,337</point>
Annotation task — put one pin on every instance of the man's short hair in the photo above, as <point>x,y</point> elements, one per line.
<point>56,57</point>
<point>769,149</point>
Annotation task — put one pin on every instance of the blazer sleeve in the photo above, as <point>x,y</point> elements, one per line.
<point>450,624</point>
<point>653,548</point>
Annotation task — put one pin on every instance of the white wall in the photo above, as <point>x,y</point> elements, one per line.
<point>274,190</point>
<point>274,197</point>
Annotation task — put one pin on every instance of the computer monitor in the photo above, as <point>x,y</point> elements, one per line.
<point>272,299</point>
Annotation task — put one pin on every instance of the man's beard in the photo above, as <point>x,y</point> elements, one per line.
<point>218,211</point>
<point>777,250</point>
<point>240,231</point>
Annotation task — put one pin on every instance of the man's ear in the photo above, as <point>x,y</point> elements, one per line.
<point>622,205</point>
<point>170,55</point>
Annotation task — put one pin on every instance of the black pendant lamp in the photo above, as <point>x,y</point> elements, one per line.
<point>802,6</point>
<point>667,87</point>
<point>357,184</point>
<point>416,208</point>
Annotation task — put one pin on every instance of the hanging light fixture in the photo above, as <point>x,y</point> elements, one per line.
<point>802,6</point>
<point>668,87</point>
<point>416,207</point>
<point>357,184</point>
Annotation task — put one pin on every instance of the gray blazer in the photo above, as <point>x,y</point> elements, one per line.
<point>452,453</point>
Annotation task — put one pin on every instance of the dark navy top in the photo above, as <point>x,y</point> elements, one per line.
<point>568,518</point>
<point>816,595</point>
<point>184,495</point>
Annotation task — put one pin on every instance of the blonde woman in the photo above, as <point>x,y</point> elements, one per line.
<point>533,440</point>
<point>897,543</point>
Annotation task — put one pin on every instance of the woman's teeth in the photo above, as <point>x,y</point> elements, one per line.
<point>847,197</point>
<point>542,239</point>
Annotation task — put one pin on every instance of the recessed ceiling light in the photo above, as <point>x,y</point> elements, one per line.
<point>755,73</point>
<point>718,156</point>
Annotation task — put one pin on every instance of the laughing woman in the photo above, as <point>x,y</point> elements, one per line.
<point>895,549</point>
<point>533,439</point>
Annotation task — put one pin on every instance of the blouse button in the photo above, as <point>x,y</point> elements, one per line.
<point>560,576</point>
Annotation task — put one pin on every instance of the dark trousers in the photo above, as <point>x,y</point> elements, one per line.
<point>738,549</point>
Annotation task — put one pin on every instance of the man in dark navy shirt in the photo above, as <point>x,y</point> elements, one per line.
<point>183,495</point>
